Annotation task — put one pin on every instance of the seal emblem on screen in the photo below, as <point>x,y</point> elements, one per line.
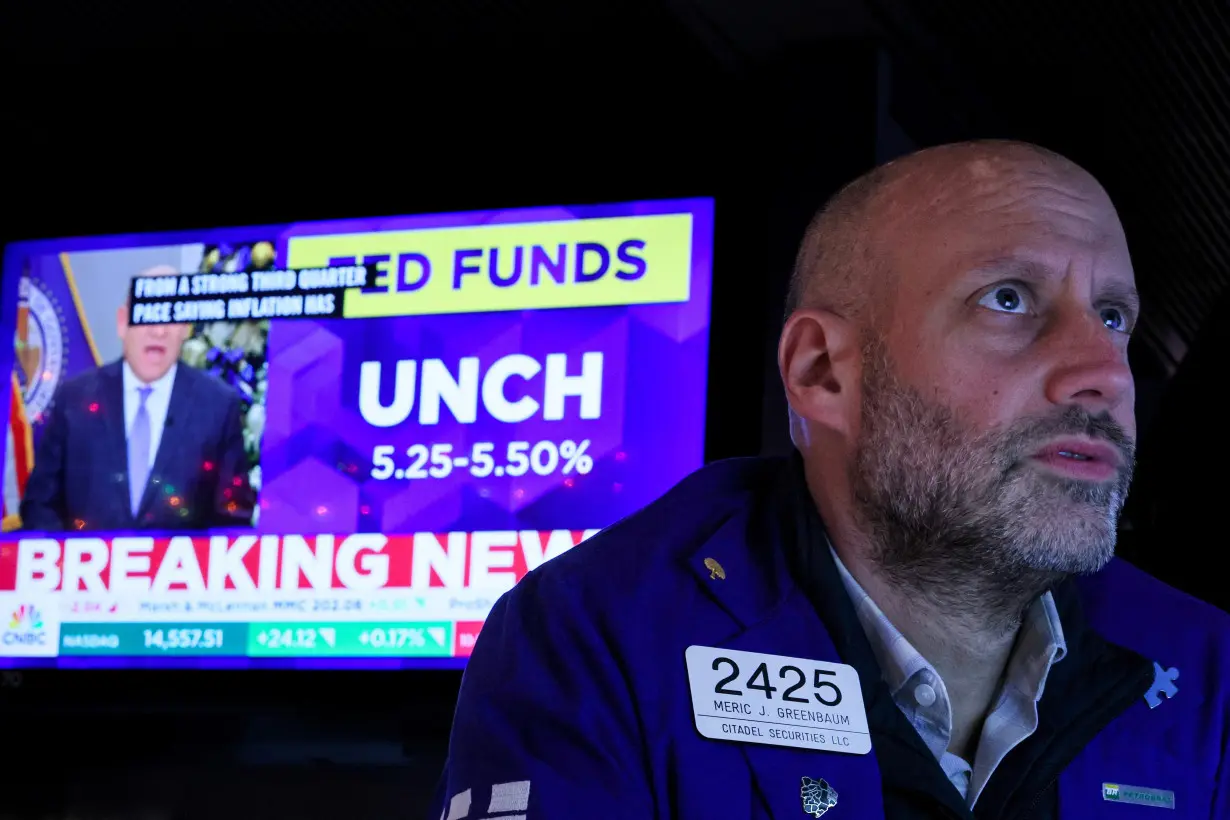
<point>38,345</point>
<point>818,796</point>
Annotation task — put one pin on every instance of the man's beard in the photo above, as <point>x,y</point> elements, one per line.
<point>959,517</point>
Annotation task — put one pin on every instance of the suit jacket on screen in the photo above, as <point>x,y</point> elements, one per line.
<point>199,478</point>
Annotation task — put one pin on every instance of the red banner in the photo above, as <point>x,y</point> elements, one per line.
<point>139,565</point>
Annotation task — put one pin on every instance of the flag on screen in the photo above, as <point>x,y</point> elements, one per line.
<point>18,457</point>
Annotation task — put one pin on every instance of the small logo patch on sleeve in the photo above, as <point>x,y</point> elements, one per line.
<point>1138,795</point>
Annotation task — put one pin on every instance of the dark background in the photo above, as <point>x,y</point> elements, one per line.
<point>127,118</point>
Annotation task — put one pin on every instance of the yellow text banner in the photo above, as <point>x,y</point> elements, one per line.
<point>519,266</point>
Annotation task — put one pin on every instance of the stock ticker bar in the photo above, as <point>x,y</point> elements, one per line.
<point>250,595</point>
<point>307,293</point>
<point>145,639</point>
<point>340,639</point>
<point>351,639</point>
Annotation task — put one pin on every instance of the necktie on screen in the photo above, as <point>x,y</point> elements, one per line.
<point>138,452</point>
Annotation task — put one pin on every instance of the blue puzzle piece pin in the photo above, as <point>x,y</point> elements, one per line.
<point>1163,684</point>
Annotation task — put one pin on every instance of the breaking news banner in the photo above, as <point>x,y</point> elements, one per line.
<point>428,407</point>
<point>216,297</point>
<point>362,595</point>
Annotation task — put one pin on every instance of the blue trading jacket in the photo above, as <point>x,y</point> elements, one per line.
<point>576,702</point>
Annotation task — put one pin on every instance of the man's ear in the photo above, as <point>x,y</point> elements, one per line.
<point>121,320</point>
<point>820,361</point>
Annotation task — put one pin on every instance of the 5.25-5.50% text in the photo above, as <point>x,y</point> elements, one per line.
<point>519,458</point>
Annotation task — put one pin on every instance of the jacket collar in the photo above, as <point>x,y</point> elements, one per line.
<point>742,567</point>
<point>787,599</point>
<point>775,549</point>
<point>779,582</point>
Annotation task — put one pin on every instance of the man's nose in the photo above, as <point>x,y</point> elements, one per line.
<point>1090,366</point>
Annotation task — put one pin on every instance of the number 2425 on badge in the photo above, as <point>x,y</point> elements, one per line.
<point>772,699</point>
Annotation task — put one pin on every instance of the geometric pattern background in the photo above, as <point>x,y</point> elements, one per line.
<point>317,447</point>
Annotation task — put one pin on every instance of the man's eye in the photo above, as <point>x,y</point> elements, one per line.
<point>1005,299</point>
<point>1115,319</point>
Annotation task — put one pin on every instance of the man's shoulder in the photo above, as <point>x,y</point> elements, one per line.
<point>648,550</point>
<point>203,387</point>
<point>201,384</point>
<point>90,383</point>
<point>198,379</point>
<point>1133,609</point>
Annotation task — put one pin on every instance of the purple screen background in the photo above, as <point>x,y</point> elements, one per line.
<point>316,449</point>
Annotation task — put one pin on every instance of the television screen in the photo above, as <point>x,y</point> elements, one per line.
<point>334,444</point>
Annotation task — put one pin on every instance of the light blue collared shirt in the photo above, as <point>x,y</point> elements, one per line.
<point>921,695</point>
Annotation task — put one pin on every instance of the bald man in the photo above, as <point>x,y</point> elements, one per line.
<point>141,443</point>
<point>918,616</point>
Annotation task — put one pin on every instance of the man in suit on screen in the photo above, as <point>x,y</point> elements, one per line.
<point>141,443</point>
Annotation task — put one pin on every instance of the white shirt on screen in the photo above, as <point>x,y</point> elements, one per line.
<point>156,405</point>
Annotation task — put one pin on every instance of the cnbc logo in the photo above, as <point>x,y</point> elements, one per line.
<point>27,615</point>
<point>25,627</point>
